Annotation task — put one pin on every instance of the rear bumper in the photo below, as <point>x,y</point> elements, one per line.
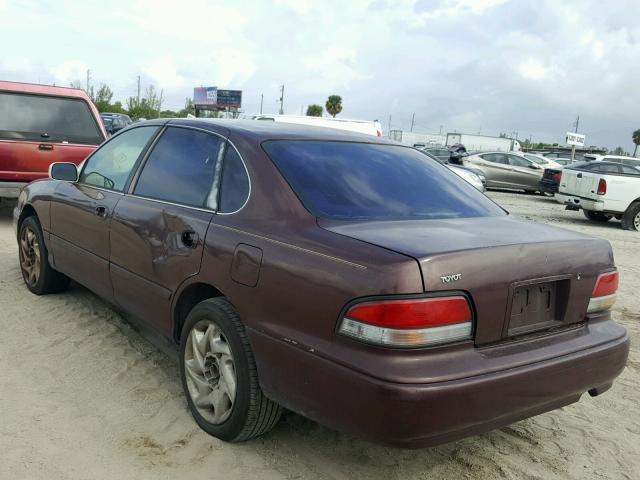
<point>580,202</point>
<point>421,415</point>
<point>547,186</point>
<point>11,189</point>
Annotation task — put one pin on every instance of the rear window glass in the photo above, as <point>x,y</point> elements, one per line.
<point>46,118</point>
<point>342,180</point>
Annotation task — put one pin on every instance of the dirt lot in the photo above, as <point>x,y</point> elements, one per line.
<point>83,395</point>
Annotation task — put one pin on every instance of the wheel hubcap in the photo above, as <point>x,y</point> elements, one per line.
<point>30,256</point>
<point>210,372</point>
<point>636,221</point>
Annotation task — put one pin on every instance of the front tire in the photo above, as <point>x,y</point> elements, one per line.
<point>219,375</point>
<point>597,216</point>
<point>39,276</point>
<point>631,217</point>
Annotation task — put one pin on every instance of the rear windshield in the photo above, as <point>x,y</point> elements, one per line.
<point>342,180</point>
<point>46,118</point>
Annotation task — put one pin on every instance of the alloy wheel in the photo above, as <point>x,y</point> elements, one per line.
<point>210,372</point>
<point>636,221</point>
<point>30,256</point>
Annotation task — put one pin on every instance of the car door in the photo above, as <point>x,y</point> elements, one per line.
<point>496,168</point>
<point>81,211</point>
<point>524,173</point>
<point>158,228</point>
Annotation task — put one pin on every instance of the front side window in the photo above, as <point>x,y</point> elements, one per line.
<point>181,167</point>
<point>111,165</point>
<point>534,159</point>
<point>47,118</point>
<point>516,161</point>
<point>342,180</point>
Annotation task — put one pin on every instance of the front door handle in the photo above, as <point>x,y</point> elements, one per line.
<point>45,146</point>
<point>101,211</point>
<point>189,238</point>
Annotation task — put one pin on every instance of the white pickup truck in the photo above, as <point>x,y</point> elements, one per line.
<point>603,190</point>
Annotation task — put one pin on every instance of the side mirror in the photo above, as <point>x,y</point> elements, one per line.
<point>65,171</point>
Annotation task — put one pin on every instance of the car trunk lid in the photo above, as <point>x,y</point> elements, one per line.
<point>522,276</point>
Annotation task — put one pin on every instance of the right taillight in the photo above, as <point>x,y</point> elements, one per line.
<point>416,322</point>
<point>604,293</point>
<point>602,187</point>
<point>556,176</point>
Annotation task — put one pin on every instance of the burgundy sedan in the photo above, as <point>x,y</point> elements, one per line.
<point>344,277</point>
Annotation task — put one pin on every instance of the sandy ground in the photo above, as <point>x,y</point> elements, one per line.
<point>84,396</point>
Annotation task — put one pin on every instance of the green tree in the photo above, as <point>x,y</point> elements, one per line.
<point>636,141</point>
<point>188,108</point>
<point>334,105</point>
<point>314,110</point>
<point>103,99</point>
<point>147,107</point>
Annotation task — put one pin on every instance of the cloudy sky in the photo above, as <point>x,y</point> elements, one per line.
<point>489,66</point>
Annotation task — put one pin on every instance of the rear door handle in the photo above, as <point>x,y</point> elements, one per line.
<point>101,211</point>
<point>189,238</point>
<point>45,146</point>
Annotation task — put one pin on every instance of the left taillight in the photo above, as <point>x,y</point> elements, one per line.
<point>602,187</point>
<point>416,322</point>
<point>604,292</point>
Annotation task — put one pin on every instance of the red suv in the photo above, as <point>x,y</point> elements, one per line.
<point>41,125</point>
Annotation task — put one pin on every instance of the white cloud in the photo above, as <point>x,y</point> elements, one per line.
<point>533,69</point>
<point>69,71</point>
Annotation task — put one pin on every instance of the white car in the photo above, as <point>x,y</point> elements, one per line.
<point>603,190</point>
<point>544,162</point>
<point>367,127</point>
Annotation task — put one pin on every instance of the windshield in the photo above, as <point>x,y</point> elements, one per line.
<point>342,180</point>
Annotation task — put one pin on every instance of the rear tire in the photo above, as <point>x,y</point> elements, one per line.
<point>631,217</point>
<point>39,276</point>
<point>219,375</point>
<point>597,216</point>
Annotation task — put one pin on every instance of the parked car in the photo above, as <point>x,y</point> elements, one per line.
<point>338,275</point>
<point>507,170</point>
<point>41,125</point>
<point>550,181</point>
<point>630,161</point>
<point>541,160</point>
<point>441,153</point>
<point>114,122</point>
<point>472,175</point>
<point>557,155</point>
<point>603,190</point>
<point>368,127</point>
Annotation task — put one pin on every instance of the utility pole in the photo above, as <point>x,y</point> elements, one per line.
<point>138,98</point>
<point>261,100</point>
<point>577,122</point>
<point>440,132</point>
<point>88,79</point>
<point>413,117</point>
<point>389,128</point>
<point>160,102</point>
<point>282,100</point>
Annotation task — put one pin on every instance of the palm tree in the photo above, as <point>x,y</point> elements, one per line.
<point>334,105</point>
<point>636,140</point>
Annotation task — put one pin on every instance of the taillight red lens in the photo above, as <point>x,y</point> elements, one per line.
<point>607,284</point>
<point>557,176</point>
<point>416,313</point>
<point>410,322</point>
<point>602,187</point>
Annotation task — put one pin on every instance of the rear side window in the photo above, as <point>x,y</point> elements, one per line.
<point>111,165</point>
<point>46,118</point>
<point>181,167</point>
<point>368,181</point>
<point>234,187</point>
<point>599,168</point>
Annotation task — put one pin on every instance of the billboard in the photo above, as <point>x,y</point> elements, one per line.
<point>205,96</point>
<point>216,99</point>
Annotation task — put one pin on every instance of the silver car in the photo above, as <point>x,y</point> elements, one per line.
<point>507,170</point>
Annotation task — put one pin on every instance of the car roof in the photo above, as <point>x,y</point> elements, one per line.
<point>43,89</point>
<point>261,130</point>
